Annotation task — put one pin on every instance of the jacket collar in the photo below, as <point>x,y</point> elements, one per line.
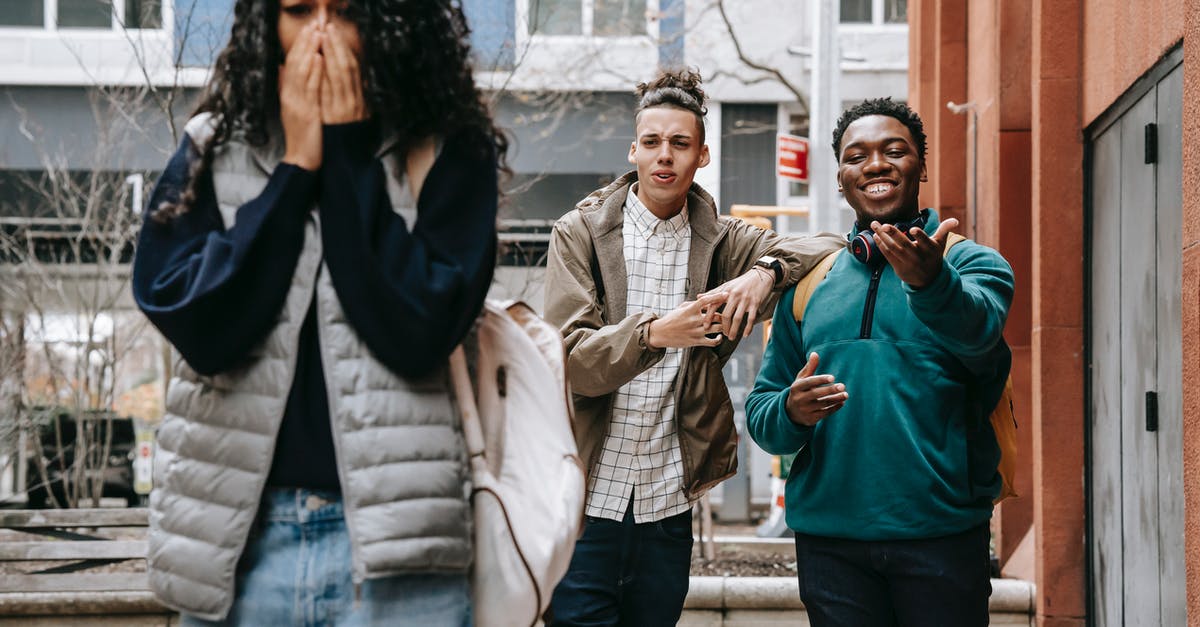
<point>603,208</point>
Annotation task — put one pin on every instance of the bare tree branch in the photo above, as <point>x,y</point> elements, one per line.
<point>772,71</point>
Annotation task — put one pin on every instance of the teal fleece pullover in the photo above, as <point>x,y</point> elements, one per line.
<point>912,453</point>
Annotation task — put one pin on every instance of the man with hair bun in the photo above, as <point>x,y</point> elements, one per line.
<point>652,290</point>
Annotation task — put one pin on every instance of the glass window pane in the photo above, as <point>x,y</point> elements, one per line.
<point>895,11</point>
<point>556,17</point>
<point>85,13</point>
<point>143,13</point>
<point>619,17</point>
<point>22,13</point>
<point>856,12</point>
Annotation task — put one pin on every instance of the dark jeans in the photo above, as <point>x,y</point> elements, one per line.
<point>624,573</point>
<point>938,581</point>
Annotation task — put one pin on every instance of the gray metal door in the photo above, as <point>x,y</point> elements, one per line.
<point>1136,454</point>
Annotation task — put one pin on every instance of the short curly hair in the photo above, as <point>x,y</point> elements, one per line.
<point>880,106</point>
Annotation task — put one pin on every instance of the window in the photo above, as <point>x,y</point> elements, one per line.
<point>98,14</point>
<point>599,18</point>
<point>143,13</point>
<point>84,14</point>
<point>876,12</point>
<point>26,13</point>
<point>856,11</point>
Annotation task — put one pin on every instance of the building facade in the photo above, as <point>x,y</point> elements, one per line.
<point>104,88</point>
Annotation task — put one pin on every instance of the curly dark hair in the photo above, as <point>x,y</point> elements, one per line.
<point>679,89</point>
<point>416,77</point>
<point>880,106</point>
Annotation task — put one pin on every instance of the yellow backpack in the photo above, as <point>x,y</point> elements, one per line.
<point>1004,422</point>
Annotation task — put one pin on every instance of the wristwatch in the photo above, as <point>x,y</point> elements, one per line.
<point>772,264</point>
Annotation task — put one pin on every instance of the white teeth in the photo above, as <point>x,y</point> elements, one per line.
<point>879,188</point>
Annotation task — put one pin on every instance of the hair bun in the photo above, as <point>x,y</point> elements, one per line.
<point>680,88</point>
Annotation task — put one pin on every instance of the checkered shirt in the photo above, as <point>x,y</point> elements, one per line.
<point>641,451</point>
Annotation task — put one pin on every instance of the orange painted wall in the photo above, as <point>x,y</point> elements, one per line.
<point>1122,40</point>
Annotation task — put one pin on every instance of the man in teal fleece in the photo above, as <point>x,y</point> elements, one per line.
<point>885,390</point>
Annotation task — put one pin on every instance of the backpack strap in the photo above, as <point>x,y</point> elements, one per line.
<point>952,239</point>
<point>808,284</point>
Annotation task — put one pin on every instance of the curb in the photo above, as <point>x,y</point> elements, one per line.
<point>1009,596</point>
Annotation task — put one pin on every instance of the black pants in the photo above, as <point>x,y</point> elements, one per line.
<point>626,573</point>
<point>909,583</point>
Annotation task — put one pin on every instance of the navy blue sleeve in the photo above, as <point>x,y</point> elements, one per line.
<point>410,296</point>
<point>215,293</point>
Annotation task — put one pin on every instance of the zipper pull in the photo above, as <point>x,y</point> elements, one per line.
<point>357,595</point>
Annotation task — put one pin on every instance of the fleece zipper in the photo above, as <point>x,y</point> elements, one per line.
<point>869,307</point>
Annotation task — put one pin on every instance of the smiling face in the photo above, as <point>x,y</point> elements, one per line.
<point>294,15</point>
<point>667,152</point>
<point>880,170</point>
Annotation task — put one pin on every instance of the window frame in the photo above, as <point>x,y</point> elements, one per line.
<point>587,30</point>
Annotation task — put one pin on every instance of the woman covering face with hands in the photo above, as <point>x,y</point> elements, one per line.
<point>318,244</point>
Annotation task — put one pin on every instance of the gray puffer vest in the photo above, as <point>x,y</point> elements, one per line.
<point>400,453</point>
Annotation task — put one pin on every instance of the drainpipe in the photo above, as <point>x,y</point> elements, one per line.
<point>960,109</point>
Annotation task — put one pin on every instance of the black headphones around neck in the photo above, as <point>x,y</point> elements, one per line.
<point>863,245</point>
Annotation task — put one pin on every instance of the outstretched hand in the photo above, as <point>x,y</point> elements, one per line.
<point>813,397</point>
<point>914,256</point>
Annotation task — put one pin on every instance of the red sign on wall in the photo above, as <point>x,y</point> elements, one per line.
<point>792,151</point>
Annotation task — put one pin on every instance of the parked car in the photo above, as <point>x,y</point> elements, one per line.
<point>60,458</point>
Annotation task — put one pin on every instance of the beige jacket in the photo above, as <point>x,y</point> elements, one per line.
<point>585,297</point>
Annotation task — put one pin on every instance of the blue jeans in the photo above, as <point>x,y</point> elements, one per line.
<point>295,570</point>
<point>932,582</point>
<point>625,573</point>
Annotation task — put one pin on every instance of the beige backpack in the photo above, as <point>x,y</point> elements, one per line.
<point>528,482</point>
